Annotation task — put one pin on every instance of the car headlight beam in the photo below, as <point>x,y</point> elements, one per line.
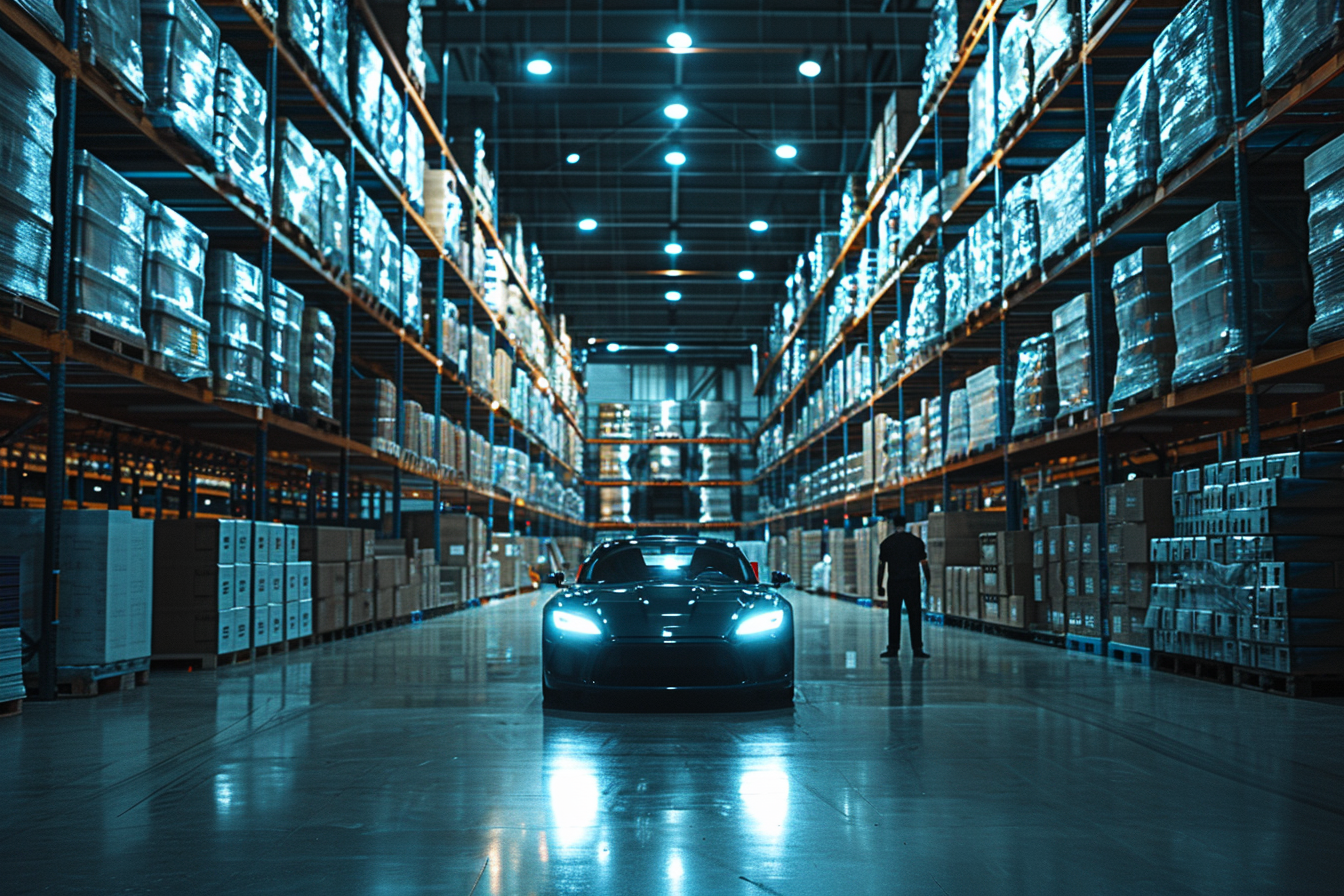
<point>761,622</point>
<point>574,623</point>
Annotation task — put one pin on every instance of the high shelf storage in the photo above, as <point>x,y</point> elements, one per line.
<point>942,322</point>
<point>430,368</point>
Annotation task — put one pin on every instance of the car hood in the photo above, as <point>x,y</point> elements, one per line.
<point>669,610</point>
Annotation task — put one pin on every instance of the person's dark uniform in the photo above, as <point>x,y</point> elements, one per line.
<point>899,560</point>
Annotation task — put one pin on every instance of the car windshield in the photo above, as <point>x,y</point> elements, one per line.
<point>703,563</point>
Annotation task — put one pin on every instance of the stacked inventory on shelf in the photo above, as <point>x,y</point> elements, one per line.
<point>1248,578</point>
<point>11,644</point>
<point>613,462</point>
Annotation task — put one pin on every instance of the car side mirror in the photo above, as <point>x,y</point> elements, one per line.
<point>556,578</point>
<point>780,578</point>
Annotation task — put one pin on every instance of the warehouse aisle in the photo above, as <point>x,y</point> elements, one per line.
<point>415,760</point>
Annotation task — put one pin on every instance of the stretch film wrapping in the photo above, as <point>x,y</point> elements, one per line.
<point>302,21</point>
<point>1146,355</point>
<point>1061,202</point>
<point>109,37</point>
<point>368,248</point>
<point>1206,304</point>
<point>942,50</point>
<point>334,212</point>
<point>1072,327</point>
<point>240,127</point>
<point>300,198</point>
<point>982,396</point>
<point>181,55</point>
<point>958,426</point>
<point>109,249</point>
<point>982,263</point>
<point>410,289</point>
<point>415,160</point>
<point>368,88</point>
<point>234,306</point>
<point>933,432</point>
<point>924,326</point>
<point>416,63</point>
<point>392,117</point>
<point>1325,186</point>
<point>27,116</point>
<point>955,283</point>
<point>914,208</point>
<point>1132,155</point>
<point>1297,31</point>
<point>1055,34</point>
<point>388,290</point>
<point>1035,394</point>
<point>983,126</point>
<point>1015,69</point>
<point>317,361</point>
<point>174,293</point>
<point>335,51</point>
<point>46,13</point>
<point>1021,233</point>
<point>283,345</point>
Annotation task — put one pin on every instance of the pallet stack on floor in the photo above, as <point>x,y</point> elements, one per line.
<point>1066,575</point>
<point>343,575</point>
<point>1138,511</point>
<point>11,645</point>
<point>953,545</point>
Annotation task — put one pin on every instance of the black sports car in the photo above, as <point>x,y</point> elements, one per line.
<point>667,614</point>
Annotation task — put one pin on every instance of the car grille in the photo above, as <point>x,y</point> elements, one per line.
<point>657,664</point>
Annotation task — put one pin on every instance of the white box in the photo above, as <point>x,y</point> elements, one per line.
<point>242,628</point>
<point>261,584</point>
<point>305,618</point>
<point>305,571</point>
<point>275,587</point>
<point>242,586</point>
<point>242,541</point>
<point>224,638</point>
<point>261,625</point>
<point>291,620</point>
<point>292,583</point>
<point>275,534</point>
<point>277,615</point>
<point>261,543</point>
<point>291,544</point>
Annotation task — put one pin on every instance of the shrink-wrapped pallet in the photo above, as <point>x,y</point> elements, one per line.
<point>235,307</point>
<point>982,124</point>
<point>1035,395</point>
<point>1146,355</point>
<point>109,250</point>
<point>1325,230</point>
<point>958,426</point>
<point>335,50</point>
<point>410,290</point>
<point>415,160</point>
<point>334,212</point>
<point>914,206</point>
<point>1061,197</point>
<point>367,246</point>
<point>1055,35</point>
<point>1015,70</point>
<point>388,291</point>
<point>299,200</point>
<point>181,58</point>
<point>301,21</point>
<point>924,325</point>
<point>1297,33</point>
<point>1072,327</point>
<point>933,432</point>
<point>27,116</point>
<point>46,13</point>
<point>982,263</point>
<point>391,121</point>
<point>368,87</point>
<point>982,396</point>
<point>1133,153</point>
<point>1021,233</point>
<point>948,24</point>
<point>109,38</point>
<point>955,286</point>
<point>1206,299</point>
<point>240,128</point>
<point>283,345</point>
<point>174,294</point>
<point>317,361</point>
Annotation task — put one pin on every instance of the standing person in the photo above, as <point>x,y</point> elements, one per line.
<point>899,561</point>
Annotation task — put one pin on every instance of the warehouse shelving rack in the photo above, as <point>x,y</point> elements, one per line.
<point>305,458</point>
<point>1258,401</point>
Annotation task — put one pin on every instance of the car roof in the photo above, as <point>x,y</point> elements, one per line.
<point>664,539</point>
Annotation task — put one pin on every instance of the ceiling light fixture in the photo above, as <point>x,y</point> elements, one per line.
<point>672,348</point>
<point>613,347</point>
<point>592,340</point>
<point>675,111</point>
<point>672,248</point>
<point>539,67</point>
<point>676,158</point>
<point>672,295</point>
<point>587,224</point>
<point>572,158</point>
<point>809,69</point>
<point>759,226</point>
<point>786,151</point>
<point>679,41</point>
<point>746,274</point>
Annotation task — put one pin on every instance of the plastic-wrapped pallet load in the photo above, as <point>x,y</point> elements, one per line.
<point>368,88</point>
<point>240,128</point>
<point>1324,182</point>
<point>416,65</point>
<point>933,432</point>
<point>956,287</point>
<point>373,416</point>
<point>45,12</point>
<point>410,290</point>
<point>285,309</point>
<point>1134,150</point>
<point>924,326</point>
<point>1021,233</point>
<point>415,160</point>
<point>914,212</point>
<point>982,262</point>
<point>367,243</point>
<point>1141,283</point>
<point>1061,192</point>
<point>1190,61</point>
<point>391,120</point>
<point>1072,327</point>
<point>950,18</point>
<point>982,395</point>
<point>27,114</point>
<point>301,21</point>
<point>109,38</point>
<point>1015,70</point>
<point>317,361</point>
<point>983,123</point>
<point>1206,300</point>
<point>334,212</point>
<point>174,294</point>
<point>335,50</point>
<point>958,426</point>
<point>234,306</point>
<point>109,250</point>
<point>914,431</point>
<point>1298,32</point>
<point>300,194</point>
<point>1055,35</point>
<point>181,55</point>
<point>1035,395</point>
<point>389,269</point>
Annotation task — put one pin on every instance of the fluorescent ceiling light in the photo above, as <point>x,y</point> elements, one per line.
<point>572,158</point>
<point>746,274</point>
<point>672,248</point>
<point>539,67</point>
<point>675,158</point>
<point>587,224</point>
<point>679,41</point>
<point>786,151</point>
<point>809,69</point>
<point>759,226</point>
<point>675,111</point>
<point>613,347</point>
<point>672,348</point>
<point>672,295</point>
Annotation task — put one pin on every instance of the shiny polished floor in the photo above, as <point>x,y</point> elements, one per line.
<point>419,761</point>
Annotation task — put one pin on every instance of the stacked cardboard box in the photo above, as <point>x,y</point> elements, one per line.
<point>392,578</point>
<point>203,591</point>
<point>777,556</point>
<point>342,575</point>
<point>868,543</point>
<point>462,545</point>
<point>517,554</point>
<point>1005,576</point>
<point>793,557</point>
<point>954,544</point>
<point>1063,522</point>
<point>809,556</point>
<point>1136,512</point>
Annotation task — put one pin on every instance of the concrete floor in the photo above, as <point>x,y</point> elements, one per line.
<point>419,761</point>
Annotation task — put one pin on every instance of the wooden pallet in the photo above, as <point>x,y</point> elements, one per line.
<point>190,662</point>
<point>1053,79</point>
<point>160,361</point>
<point>1193,667</point>
<point>92,681</point>
<point>1143,397</point>
<point>1272,682</point>
<point>90,331</point>
<point>1113,209</point>
<point>11,708</point>
<point>32,311</point>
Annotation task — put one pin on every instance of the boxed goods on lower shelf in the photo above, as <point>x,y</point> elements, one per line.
<point>109,250</point>
<point>240,128</point>
<point>107,582</point>
<point>173,303</point>
<point>373,414</point>
<point>1134,150</point>
<point>27,115</point>
<point>1207,306</point>
<point>109,39</point>
<point>1324,181</point>
<point>1035,395</point>
<point>1146,356</point>
<point>234,306</point>
<point>181,51</point>
<point>1297,34</point>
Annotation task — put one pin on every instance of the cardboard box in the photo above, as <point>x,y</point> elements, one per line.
<point>261,585</point>
<point>1054,581</point>
<point>261,543</point>
<point>1040,549</point>
<point>292,545</point>
<point>1073,543</point>
<point>291,620</point>
<point>197,542</point>
<point>1089,542</point>
<point>329,581</point>
<point>1083,617</point>
<point>963,525</point>
<point>1055,544</point>
<point>1067,504</point>
<point>261,624</point>
<point>275,534</point>
<point>1147,500</point>
<point>202,632</point>
<point>1073,575</point>
<point>306,619</point>
<point>993,607</point>
<point>329,613</point>
<point>1115,501</point>
<point>1117,581</point>
<point>1089,580</point>
<point>179,588</point>
<point>384,603</point>
<point>242,586</point>
<point>1128,542</point>
<point>359,608</point>
<point>325,544</point>
<point>1139,579</point>
<point>1016,617</point>
<point>406,600</point>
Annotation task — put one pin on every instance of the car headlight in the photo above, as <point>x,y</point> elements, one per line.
<point>761,622</point>
<point>574,624</point>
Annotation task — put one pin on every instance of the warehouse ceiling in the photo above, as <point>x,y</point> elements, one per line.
<point>612,75</point>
